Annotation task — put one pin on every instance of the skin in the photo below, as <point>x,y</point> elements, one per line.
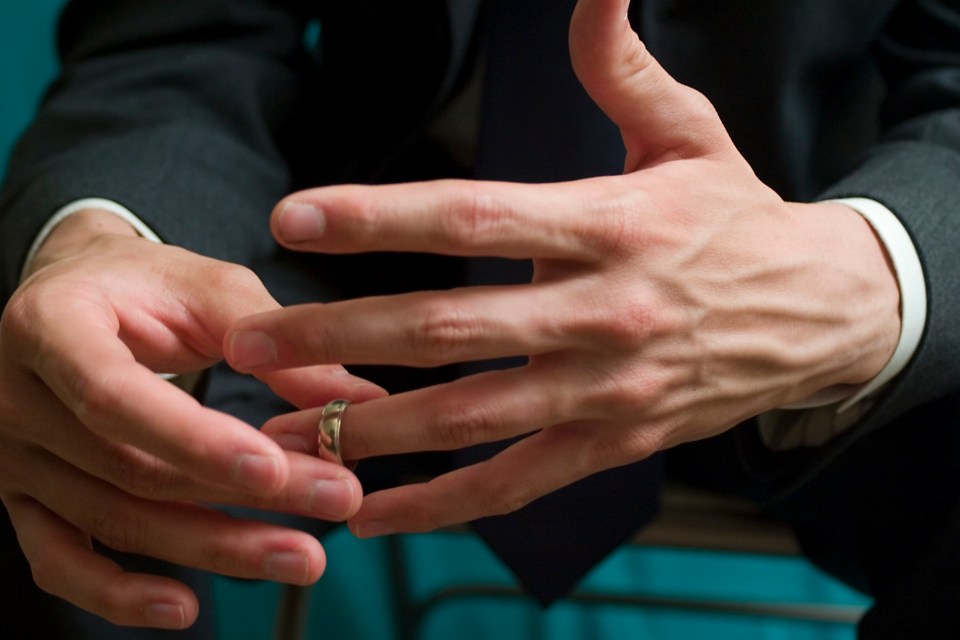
<point>667,304</point>
<point>94,445</point>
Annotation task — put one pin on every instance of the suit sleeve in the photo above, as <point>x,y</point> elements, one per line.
<point>184,112</point>
<point>915,172</point>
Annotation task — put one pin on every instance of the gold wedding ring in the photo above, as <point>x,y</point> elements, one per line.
<point>328,438</point>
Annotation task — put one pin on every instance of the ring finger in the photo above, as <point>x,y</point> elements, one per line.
<point>64,564</point>
<point>485,407</point>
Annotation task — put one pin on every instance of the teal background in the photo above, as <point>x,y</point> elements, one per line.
<point>355,598</point>
<point>27,62</point>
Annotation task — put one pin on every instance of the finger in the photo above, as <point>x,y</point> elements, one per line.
<point>658,116</point>
<point>426,328</point>
<point>98,380</point>
<point>169,307</point>
<point>528,469</point>
<point>437,328</point>
<point>70,336</point>
<point>318,489</point>
<point>315,488</point>
<point>63,564</point>
<point>313,386</point>
<point>184,317</point>
<point>181,533</point>
<point>454,217</point>
<point>485,407</point>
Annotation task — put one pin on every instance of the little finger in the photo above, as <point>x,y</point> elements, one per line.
<point>531,468</point>
<point>182,533</point>
<point>64,564</point>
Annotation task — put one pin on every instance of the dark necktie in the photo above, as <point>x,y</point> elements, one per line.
<point>538,125</point>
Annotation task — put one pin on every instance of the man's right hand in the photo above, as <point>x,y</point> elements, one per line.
<point>95,445</point>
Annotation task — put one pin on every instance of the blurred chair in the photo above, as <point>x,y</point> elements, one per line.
<point>690,519</point>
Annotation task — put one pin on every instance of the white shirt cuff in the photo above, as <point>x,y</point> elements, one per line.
<point>813,421</point>
<point>913,290</point>
<point>79,205</point>
<point>118,209</point>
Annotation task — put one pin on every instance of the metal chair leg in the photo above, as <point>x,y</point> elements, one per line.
<point>293,609</point>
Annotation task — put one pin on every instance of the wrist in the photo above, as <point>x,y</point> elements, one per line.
<point>905,263</point>
<point>73,234</point>
<point>863,282</point>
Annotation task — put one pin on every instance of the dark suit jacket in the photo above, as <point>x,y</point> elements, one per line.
<point>200,115</point>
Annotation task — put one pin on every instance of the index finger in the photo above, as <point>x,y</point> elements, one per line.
<point>99,380</point>
<point>453,217</point>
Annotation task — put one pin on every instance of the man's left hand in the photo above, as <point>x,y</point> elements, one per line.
<point>667,304</point>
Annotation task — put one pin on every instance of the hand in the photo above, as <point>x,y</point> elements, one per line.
<point>93,444</point>
<point>667,305</point>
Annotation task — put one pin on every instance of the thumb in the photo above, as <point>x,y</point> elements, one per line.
<point>658,117</point>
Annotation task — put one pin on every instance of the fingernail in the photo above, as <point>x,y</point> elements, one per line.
<point>356,381</point>
<point>256,472</point>
<point>299,222</point>
<point>293,442</point>
<point>251,349</point>
<point>166,615</point>
<point>371,529</point>
<point>341,372</point>
<point>287,566</point>
<point>331,499</point>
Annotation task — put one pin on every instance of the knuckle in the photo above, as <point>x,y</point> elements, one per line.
<point>22,312</point>
<point>607,453</point>
<point>510,498</point>
<point>46,574</point>
<point>119,469</point>
<point>221,561</point>
<point>624,324</point>
<point>444,333</point>
<point>111,605</point>
<point>462,424</point>
<point>430,519</point>
<point>630,324</point>
<point>424,513</point>
<point>619,234</point>
<point>138,475</point>
<point>361,218</point>
<point>321,342</point>
<point>226,276</point>
<point>475,217</point>
<point>106,601</point>
<point>606,444</point>
<point>627,397</point>
<point>500,497</point>
<point>623,448</point>
<point>585,446</point>
<point>118,530</point>
<point>644,443</point>
<point>699,106</point>
<point>641,61</point>
<point>701,130</point>
<point>96,395</point>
